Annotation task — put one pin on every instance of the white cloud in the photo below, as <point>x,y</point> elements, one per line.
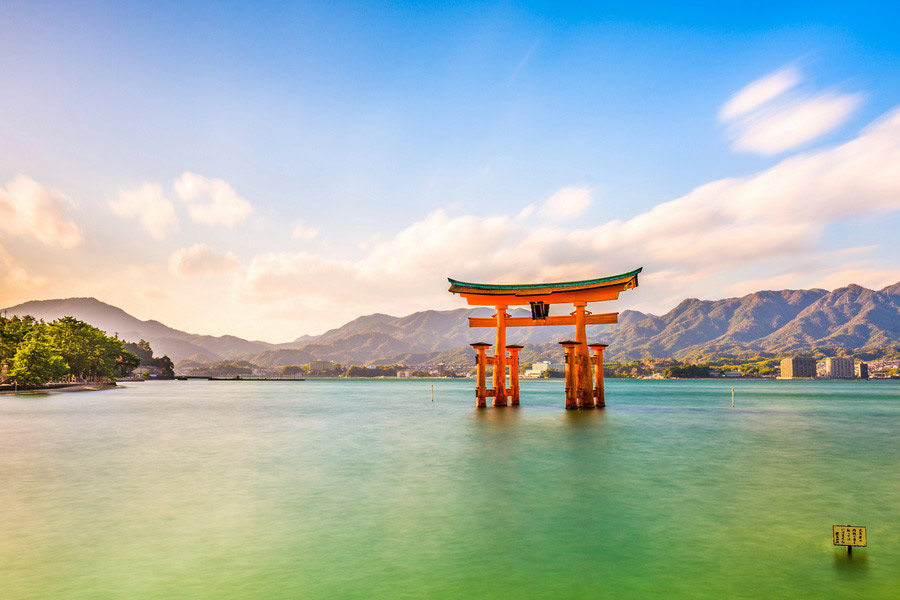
<point>200,260</point>
<point>304,232</point>
<point>154,211</point>
<point>767,117</point>
<point>567,203</point>
<point>284,275</point>
<point>28,209</point>
<point>690,244</point>
<point>526,212</point>
<point>794,123</point>
<point>759,92</point>
<point>384,279</point>
<point>212,201</point>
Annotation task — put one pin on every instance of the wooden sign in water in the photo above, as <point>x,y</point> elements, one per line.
<point>848,535</point>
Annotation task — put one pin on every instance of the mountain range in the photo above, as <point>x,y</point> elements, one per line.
<point>851,318</point>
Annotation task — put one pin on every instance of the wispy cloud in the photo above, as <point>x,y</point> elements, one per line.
<point>770,115</point>
<point>149,204</point>
<point>526,212</point>
<point>759,92</point>
<point>200,260</point>
<point>212,201</point>
<point>302,231</point>
<point>28,209</point>
<point>567,203</point>
<point>523,62</point>
<point>794,123</point>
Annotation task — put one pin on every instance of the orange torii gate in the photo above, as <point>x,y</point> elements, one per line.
<point>583,389</point>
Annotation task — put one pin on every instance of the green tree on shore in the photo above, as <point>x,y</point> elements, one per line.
<point>292,371</point>
<point>88,351</point>
<point>12,333</point>
<point>126,363</point>
<point>140,349</point>
<point>37,360</point>
<point>384,371</point>
<point>687,371</point>
<point>144,355</point>
<point>39,352</point>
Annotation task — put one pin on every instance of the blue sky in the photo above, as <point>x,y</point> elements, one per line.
<point>272,171</point>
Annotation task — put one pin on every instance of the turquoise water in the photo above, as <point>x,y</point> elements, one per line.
<point>367,489</point>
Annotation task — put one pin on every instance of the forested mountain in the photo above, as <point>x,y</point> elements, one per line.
<point>434,330</point>
<point>780,322</point>
<point>360,340</point>
<point>852,318</point>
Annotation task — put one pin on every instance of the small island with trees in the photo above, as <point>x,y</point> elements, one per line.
<point>65,352</point>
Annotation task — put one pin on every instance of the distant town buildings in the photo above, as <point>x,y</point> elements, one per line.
<point>798,366</point>
<point>884,369</point>
<point>538,369</point>
<point>543,369</point>
<point>839,368</point>
<point>831,368</point>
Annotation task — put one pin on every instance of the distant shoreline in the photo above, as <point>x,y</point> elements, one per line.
<point>724,379</point>
<point>8,390</point>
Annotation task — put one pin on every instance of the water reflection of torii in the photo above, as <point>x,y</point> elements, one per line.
<point>582,389</point>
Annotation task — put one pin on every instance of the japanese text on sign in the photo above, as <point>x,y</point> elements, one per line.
<point>848,535</point>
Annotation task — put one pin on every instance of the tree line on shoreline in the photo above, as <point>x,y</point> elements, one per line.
<point>35,353</point>
<point>666,367</point>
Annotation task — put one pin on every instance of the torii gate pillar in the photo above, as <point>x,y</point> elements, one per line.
<point>569,347</point>
<point>583,359</point>
<point>481,361</point>
<point>598,392</point>
<point>500,358</point>
<point>514,373</point>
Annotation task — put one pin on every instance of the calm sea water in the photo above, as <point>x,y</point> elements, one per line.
<point>367,489</point>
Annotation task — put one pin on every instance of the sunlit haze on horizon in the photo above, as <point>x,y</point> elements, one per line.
<point>274,171</point>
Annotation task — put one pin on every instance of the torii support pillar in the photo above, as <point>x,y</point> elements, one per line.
<point>584,386</point>
<point>514,373</point>
<point>569,347</point>
<point>500,358</point>
<point>481,373</point>
<point>599,394</point>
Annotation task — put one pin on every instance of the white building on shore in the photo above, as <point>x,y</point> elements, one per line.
<point>538,369</point>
